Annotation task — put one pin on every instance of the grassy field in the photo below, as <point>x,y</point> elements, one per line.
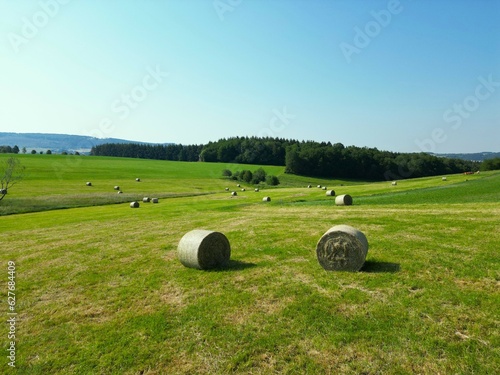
<point>99,289</point>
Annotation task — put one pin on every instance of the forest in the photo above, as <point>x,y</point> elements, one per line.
<point>308,158</point>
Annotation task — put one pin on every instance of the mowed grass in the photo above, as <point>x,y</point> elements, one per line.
<point>100,290</point>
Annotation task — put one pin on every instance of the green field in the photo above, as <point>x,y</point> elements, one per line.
<point>99,288</point>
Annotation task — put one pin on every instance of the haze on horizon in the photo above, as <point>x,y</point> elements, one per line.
<point>399,75</point>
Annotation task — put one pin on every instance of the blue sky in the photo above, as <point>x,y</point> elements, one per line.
<point>401,75</point>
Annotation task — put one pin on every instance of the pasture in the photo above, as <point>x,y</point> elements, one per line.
<point>99,288</point>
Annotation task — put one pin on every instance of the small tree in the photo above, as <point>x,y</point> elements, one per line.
<point>11,172</point>
<point>33,152</point>
<point>24,150</point>
<point>272,180</point>
<point>227,173</point>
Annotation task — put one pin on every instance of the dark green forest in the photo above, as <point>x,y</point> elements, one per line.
<point>306,158</point>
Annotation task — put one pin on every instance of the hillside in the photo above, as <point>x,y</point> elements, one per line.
<point>56,142</point>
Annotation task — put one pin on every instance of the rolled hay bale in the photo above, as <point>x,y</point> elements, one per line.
<point>154,200</point>
<point>308,186</point>
<point>266,199</point>
<point>324,188</point>
<point>204,249</point>
<point>116,188</point>
<point>330,193</point>
<point>256,190</point>
<point>146,199</point>
<point>343,200</point>
<point>243,189</point>
<point>233,193</point>
<point>120,192</point>
<point>134,204</point>
<point>138,179</point>
<point>88,183</point>
<point>443,179</point>
<point>342,248</point>
<point>238,185</point>
<point>226,189</point>
<point>319,186</point>
<point>394,183</point>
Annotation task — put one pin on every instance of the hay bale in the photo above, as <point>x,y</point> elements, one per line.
<point>145,199</point>
<point>243,189</point>
<point>256,190</point>
<point>226,189</point>
<point>266,199</point>
<point>204,249</point>
<point>120,192</point>
<point>116,188</point>
<point>308,186</point>
<point>343,200</point>
<point>324,188</point>
<point>238,185</point>
<point>138,179</point>
<point>342,248</point>
<point>154,200</point>
<point>319,186</point>
<point>88,183</point>
<point>394,183</point>
<point>330,193</point>
<point>134,204</point>
<point>233,193</point>
<point>443,179</point>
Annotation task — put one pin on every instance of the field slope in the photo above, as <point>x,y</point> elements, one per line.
<point>99,289</point>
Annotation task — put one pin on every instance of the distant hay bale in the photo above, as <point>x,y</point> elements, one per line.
<point>266,199</point>
<point>226,189</point>
<point>138,179</point>
<point>330,193</point>
<point>204,249</point>
<point>243,189</point>
<point>443,178</point>
<point>319,186</point>
<point>233,193</point>
<point>116,188</point>
<point>324,188</point>
<point>238,185</point>
<point>89,184</point>
<point>134,204</point>
<point>256,190</point>
<point>342,248</point>
<point>308,186</point>
<point>145,199</point>
<point>120,192</point>
<point>154,200</point>
<point>394,183</point>
<point>343,200</point>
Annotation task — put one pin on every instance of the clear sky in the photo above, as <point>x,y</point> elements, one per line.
<point>401,75</point>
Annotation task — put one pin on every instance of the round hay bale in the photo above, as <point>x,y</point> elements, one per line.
<point>308,186</point>
<point>319,186</point>
<point>116,188</point>
<point>266,199</point>
<point>238,185</point>
<point>154,200</point>
<point>342,248</point>
<point>233,193</point>
<point>324,188</point>
<point>226,189</point>
<point>120,192</point>
<point>243,189</point>
<point>443,178</point>
<point>138,179</point>
<point>394,183</point>
<point>343,200</point>
<point>256,190</point>
<point>145,199</point>
<point>204,249</point>
<point>330,193</point>
<point>88,183</point>
<point>134,204</point>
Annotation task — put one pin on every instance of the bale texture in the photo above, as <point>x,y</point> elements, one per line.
<point>343,200</point>
<point>266,199</point>
<point>342,248</point>
<point>330,193</point>
<point>154,200</point>
<point>204,249</point>
<point>134,204</point>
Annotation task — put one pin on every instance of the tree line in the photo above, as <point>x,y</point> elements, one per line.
<point>309,158</point>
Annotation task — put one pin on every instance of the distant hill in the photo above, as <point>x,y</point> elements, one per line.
<point>56,142</point>
<point>478,156</point>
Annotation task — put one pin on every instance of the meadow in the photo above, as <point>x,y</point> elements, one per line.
<point>99,288</point>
